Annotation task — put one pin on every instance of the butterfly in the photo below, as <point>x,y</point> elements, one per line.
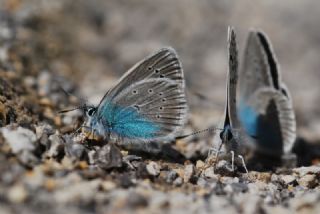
<point>265,106</point>
<point>230,135</point>
<point>147,104</point>
<point>264,119</point>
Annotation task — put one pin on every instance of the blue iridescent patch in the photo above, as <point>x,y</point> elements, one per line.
<point>127,122</point>
<point>249,119</point>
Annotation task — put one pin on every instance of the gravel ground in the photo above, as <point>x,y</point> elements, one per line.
<point>84,46</point>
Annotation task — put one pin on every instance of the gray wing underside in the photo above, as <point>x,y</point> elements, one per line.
<point>255,71</point>
<point>161,101</point>
<point>164,63</point>
<point>232,79</point>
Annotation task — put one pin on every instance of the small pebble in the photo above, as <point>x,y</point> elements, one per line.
<point>17,194</point>
<point>287,179</point>
<point>153,168</point>
<point>189,171</point>
<point>308,181</point>
<point>307,170</point>
<point>171,176</point>
<point>19,139</point>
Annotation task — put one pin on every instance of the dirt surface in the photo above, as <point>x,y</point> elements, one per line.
<point>85,46</point>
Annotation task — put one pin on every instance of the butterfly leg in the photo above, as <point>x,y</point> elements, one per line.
<point>216,158</point>
<point>232,160</point>
<point>243,163</point>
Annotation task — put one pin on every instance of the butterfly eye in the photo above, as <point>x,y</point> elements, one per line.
<point>91,111</point>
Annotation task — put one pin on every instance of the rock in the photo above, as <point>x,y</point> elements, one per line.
<point>200,164</point>
<point>56,149</point>
<point>178,181</point>
<point>153,168</point>
<point>82,192</point>
<point>17,194</point>
<point>306,203</point>
<point>108,185</point>
<point>223,167</point>
<point>307,170</point>
<point>189,171</point>
<point>236,188</point>
<point>308,181</point>
<point>209,173</point>
<point>136,200</point>
<point>76,151</point>
<point>287,179</point>
<point>171,176</point>
<point>20,139</point>
<point>109,156</point>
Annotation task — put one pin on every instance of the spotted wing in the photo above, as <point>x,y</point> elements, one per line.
<point>161,64</point>
<point>152,109</point>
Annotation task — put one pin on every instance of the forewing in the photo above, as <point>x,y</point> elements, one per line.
<point>255,70</point>
<point>152,109</point>
<point>272,62</point>
<point>232,79</point>
<point>161,64</point>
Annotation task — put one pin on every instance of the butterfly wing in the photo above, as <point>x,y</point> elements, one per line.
<point>232,79</point>
<point>147,104</point>
<point>255,70</point>
<point>162,64</point>
<point>265,108</point>
<point>270,119</point>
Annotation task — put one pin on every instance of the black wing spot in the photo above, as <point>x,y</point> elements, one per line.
<point>150,91</point>
<point>158,116</point>
<point>157,71</point>
<point>150,68</point>
<point>135,92</point>
<point>161,76</point>
<point>163,99</point>
<point>161,108</point>
<point>137,107</point>
<point>160,94</point>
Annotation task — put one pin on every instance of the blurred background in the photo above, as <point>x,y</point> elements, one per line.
<point>92,43</point>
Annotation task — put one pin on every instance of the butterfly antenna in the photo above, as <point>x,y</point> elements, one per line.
<point>198,132</point>
<point>67,93</point>
<point>72,109</point>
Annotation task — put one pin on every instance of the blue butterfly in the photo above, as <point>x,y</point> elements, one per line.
<point>264,119</point>
<point>147,104</point>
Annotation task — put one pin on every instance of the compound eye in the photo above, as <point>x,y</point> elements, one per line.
<point>91,111</point>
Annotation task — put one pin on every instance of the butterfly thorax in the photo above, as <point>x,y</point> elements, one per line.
<point>96,127</point>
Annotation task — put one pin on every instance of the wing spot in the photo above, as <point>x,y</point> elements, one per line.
<point>156,71</point>
<point>160,94</point>
<point>163,99</point>
<point>135,92</point>
<point>150,91</point>
<point>150,68</point>
<point>161,108</point>
<point>158,116</point>
<point>161,76</point>
<point>137,107</point>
